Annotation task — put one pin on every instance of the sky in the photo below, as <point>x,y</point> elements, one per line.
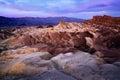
<point>84,9</point>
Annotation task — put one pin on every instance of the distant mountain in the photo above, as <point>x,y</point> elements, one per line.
<point>30,21</point>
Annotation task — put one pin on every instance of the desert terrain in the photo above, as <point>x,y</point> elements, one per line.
<point>89,50</point>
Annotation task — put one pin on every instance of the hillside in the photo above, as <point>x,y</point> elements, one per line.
<point>70,50</point>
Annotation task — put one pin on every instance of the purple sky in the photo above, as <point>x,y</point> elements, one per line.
<point>51,8</point>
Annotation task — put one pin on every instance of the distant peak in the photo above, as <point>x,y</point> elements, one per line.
<point>62,22</point>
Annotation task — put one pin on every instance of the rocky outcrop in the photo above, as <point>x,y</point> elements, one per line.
<point>91,36</point>
<point>26,64</point>
<point>86,67</point>
<point>60,36</point>
<point>69,66</point>
<point>109,55</point>
<point>106,36</point>
<point>39,48</point>
<point>6,33</point>
<point>56,53</point>
<point>105,20</point>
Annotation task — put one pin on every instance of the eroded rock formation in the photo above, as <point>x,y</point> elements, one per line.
<point>58,51</point>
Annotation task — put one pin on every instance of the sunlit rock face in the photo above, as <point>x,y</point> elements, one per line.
<point>57,52</point>
<point>107,36</point>
<point>63,35</point>
<point>107,19</point>
<point>92,35</point>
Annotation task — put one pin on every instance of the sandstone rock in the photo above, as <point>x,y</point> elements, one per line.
<point>62,35</point>
<point>29,64</point>
<point>80,65</point>
<point>29,51</point>
<point>6,33</point>
<point>105,20</point>
<point>110,72</point>
<point>56,75</point>
<point>109,55</point>
<point>108,29</point>
<point>39,48</point>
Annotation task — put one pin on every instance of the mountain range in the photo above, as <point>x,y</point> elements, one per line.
<point>32,21</point>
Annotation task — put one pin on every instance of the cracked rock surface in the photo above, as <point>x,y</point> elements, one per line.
<point>69,66</point>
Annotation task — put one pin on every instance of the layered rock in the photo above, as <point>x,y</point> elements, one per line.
<point>106,36</point>
<point>105,20</point>
<point>92,35</point>
<point>6,33</point>
<point>63,35</point>
<point>54,53</point>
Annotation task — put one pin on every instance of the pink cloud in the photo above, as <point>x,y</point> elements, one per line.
<point>90,5</point>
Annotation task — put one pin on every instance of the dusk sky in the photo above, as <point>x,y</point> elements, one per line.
<point>55,8</point>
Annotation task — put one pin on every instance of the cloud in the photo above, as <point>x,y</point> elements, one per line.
<point>22,13</point>
<point>94,6</point>
<point>21,1</point>
<point>61,4</point>
<point>4,2</point>
<point>87,15</point>
<point>71,8</point>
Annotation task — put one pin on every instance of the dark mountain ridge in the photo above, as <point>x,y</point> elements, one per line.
<point>34,21</point>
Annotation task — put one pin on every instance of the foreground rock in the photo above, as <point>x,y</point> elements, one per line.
<point>83,66</point>
<point>33,66</point>
<point>80,65</point>
<point>25,63</point>
<point>69,66</point>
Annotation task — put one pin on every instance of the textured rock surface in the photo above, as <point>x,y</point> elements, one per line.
<point>81,65</point>
<point>25,63</point>
<point>53,53</point>
<point>39,48</point>
<point>110,71</point>
<point>42,65</point>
